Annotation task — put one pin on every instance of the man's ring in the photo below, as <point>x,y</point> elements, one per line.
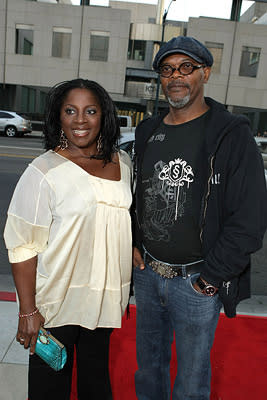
<point>21,339</point>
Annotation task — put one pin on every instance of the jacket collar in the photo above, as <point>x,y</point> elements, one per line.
<point>220,123</point>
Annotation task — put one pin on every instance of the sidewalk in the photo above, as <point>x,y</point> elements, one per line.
<point>14,359</point>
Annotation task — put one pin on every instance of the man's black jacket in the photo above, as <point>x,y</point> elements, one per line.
<point>233,215</point>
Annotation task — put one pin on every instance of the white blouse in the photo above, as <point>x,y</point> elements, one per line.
<point>79,226</point>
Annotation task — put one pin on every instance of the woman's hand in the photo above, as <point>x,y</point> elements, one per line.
<point>28,329</point>
<point>24,274</point>
<point>137,259</point>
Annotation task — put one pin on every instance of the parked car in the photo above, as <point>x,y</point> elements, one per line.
<point>126,123</point>
<point>126,143</point>
<point>12,124</point>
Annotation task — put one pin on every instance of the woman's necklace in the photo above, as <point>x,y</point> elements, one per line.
<point>90,157</point>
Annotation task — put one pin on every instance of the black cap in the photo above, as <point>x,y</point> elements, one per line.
<point>185,45</point>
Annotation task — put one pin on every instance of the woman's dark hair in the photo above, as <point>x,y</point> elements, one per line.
<point>110,128</point>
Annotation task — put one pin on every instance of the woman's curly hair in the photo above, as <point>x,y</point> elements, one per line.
<point>110,128</point>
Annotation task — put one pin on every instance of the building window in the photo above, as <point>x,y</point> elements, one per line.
<point>6,115</point>
<point>28,99</point>
<point>216,50</point>
<point>61,42</point>
<point>249,61</point>
<point>136,50</point>
<point>42,102</point>
<point>24,39</point>
<point>99,45</point>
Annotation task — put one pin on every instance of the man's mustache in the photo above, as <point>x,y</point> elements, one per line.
<point>177,85</point>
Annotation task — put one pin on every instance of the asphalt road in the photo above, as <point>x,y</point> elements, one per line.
<point>17,153</point>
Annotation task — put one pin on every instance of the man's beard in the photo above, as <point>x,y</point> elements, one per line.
<point>180,102</point>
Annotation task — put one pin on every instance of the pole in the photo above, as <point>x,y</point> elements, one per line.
<point>161,43</point>
<point>5,47</point>
<point>80,44</point>
<point>158,78</point>
<point>236,9</point>
<point>235,16</point>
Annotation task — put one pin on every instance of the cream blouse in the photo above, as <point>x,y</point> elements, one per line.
<point>79,226</point>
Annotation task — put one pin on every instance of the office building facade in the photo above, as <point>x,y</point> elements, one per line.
<point>48,42</point>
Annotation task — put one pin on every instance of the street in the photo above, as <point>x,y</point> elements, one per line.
<point>17,153</point>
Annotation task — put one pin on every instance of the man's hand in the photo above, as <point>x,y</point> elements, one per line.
<point>138,261</point>
<point>197,288</point>
<point>210,290</point>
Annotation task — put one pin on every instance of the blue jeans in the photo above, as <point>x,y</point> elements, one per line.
<point>165,306</point>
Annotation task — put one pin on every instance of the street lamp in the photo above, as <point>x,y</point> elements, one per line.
<point>161,43</point>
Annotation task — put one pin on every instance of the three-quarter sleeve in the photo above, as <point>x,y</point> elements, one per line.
<point>29,216</point>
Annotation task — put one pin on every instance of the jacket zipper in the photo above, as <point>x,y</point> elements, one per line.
<point>206,197</point>
<point>225,284</point>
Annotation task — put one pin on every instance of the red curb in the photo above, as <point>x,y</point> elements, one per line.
<point>7,296</point>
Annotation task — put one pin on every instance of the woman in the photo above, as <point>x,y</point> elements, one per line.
<point>68,236</point>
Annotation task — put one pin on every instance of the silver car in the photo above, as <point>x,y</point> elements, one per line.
<point>126,143</point>
<point>12,124</point>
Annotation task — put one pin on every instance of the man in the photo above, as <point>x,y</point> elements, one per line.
<point>200,212</point>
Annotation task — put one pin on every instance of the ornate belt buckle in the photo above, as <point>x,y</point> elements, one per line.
<point>162,269</point>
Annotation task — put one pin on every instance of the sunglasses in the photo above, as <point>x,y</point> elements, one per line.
<point>186,68</point>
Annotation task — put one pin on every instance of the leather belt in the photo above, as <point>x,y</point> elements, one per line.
<point>172,270</point>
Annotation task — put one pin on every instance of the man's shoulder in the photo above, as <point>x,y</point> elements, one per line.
<point>222,120</point>
<point>150,123</point>
<point>218,108</point>
<point>145,129</point>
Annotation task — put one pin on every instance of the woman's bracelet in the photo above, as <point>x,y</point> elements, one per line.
<point>35,311</point>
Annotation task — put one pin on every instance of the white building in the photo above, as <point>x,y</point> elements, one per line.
<point>47,42</point>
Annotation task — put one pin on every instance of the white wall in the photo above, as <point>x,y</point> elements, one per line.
<point>140,13</point>
<point>41,69</point>
<point>242,91</point>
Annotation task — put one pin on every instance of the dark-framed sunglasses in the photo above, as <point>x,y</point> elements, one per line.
<point>186,68</point>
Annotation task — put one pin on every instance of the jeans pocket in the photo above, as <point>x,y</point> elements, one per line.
<point>192,279</point>
<point>136,269</point>
<point>139,273</point>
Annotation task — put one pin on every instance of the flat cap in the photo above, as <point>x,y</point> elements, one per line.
<point>185,45</point>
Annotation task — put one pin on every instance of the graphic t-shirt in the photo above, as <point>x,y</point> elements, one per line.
<point>172,188</point>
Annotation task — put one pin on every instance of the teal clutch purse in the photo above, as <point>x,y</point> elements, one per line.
<point>49,349</point>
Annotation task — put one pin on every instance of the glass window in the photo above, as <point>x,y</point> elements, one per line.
<point>24,39</point>
<point>61,42</point>
<point>216,50</point>
<point>249,61</point>
<point>28,96</point>
<point>99,45</point>
<point>136,50</point>
<point>6,115</point>
<point>42,102</point>
<point>123,121</point>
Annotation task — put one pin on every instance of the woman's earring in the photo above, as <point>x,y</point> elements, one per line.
<point>99,143</point>
<point>63,141</point>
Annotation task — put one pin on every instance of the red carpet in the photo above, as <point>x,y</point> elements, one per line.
<point>7,296</point>
<point>239,360</point>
